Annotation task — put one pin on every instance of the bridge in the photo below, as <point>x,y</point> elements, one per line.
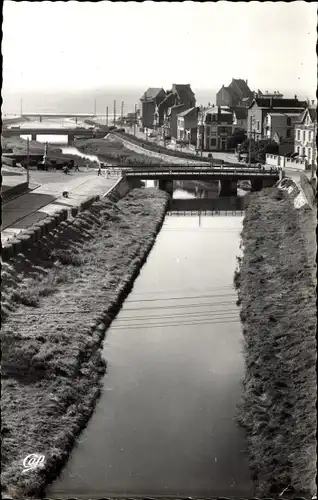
<point>58,115</point>
<point>71,132</point>
<point>227,176</point>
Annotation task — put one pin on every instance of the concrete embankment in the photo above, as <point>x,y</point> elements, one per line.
<point>276,282</point>
<point>59,296</point>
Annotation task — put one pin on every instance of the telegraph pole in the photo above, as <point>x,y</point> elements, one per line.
<point>94,107</point>
<point>107,115</point>
<point>28,161</point>
<point>135,120</point>
<point>114,113</point>
<point>121,113</point>
<point>250,142</point>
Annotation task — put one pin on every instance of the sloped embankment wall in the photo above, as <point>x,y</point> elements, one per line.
<point>276,283</point>
<point>59,296</point>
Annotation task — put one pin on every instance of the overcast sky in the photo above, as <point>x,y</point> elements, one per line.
<point>76,45</point>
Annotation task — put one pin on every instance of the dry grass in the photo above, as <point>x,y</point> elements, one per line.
<point>278,311</point>
<point>114,150</point>
<point>57,311</point>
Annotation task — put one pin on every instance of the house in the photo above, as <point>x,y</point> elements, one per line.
<point>178,99</point>
<point>149,101</point>
<point>305,136</point>
<point>280,123</point>
<point>240,118</point>
<point>236,94</point>
<point>275,95</point>
<point>215,126</point>
<point>260,107</point>
<point>187,122</point>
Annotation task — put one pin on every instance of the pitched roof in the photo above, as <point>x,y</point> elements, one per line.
<point>188,111</point>
<point>240,113</point>
<point>263,102</point>
<point>312,112</point>
<point>151,93</point>
<point>183,91</point>
<point>279,112</point>
<point>167,101</point>
<point>242,85</point>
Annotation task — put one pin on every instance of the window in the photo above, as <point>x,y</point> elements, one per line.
<point>288,133</point>
<point>298,149</point>
<point>310,136</point>
<point>213,141</point>
<point>257,126</point>
<point>309,155</point>
<point>304,135</point>
<point>298,135</point>
<point>288,122</point>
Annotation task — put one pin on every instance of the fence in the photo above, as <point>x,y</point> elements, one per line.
<point>285,162</point>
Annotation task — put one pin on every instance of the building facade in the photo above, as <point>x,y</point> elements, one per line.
<point>259,109</point>
<point>306,135</point>
<point>149,102</point>
<point>281,125</point>
<point>237,93</point>
<point>180,98</point>
<point>240,118</point>
<point>215,126</point>
<point>187,123</point>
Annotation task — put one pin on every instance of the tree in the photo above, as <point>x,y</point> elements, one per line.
<point>238,137</point>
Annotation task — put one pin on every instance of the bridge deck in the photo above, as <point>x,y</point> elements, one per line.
<point>221,172</point>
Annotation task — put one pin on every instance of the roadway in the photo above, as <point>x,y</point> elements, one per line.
<point>46,197</point>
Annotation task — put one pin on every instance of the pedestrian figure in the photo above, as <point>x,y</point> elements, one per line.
<point>65,169</point>
<point>107,173</point>
<point>76,168</point>
<point>99,171</point>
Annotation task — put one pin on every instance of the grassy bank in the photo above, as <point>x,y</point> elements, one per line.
<point>57,301</point>
<point>114,150</point>
<point>276,287</point>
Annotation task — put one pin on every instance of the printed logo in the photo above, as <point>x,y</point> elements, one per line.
<point>33,461</point>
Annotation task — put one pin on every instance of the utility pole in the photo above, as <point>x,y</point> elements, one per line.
<point>107,115</point>
<point>114,113</point>
<point>135,120</point>
<point>121,113</point>
<point>21,101</point>
<point>28,161</point>
<point>250,142</point>
<point>94,107</point>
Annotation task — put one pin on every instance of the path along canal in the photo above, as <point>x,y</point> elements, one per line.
<point>165,422</point>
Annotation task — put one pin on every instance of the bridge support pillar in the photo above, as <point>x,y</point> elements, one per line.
<point>134,183</point>
<point>33,137</point>
<point>70,139</point>
<point>256,184</point>
<point>269,182</point>
<point>75,119</point>
<point>166,186</point>
<point>40,119</point>
<point>227,187</point>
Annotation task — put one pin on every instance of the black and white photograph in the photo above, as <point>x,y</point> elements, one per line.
<point>158,232</point>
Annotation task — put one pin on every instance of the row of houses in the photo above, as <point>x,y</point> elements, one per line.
<point>173,115</point>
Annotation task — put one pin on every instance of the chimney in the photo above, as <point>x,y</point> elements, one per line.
<point>295,97</point>
<point>246,82</point>
<point>270,102</point>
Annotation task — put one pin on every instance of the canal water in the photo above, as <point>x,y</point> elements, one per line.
<point>165,422</point>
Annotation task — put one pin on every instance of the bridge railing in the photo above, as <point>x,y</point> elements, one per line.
<point>164,171</point>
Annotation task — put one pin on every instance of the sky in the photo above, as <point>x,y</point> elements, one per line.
<point>73,46</point>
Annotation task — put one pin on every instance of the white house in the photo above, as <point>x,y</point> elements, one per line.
<point>305,136</point>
